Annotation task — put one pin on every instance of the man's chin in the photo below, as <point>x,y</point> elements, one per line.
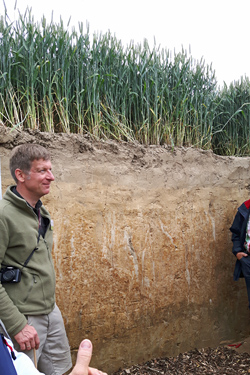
<point>46,191</point>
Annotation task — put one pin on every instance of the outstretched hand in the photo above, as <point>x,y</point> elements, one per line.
<point>83,359</point>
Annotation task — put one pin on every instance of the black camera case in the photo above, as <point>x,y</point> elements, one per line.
<point>10,275</point>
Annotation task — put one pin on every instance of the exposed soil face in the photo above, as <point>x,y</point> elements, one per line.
<point>142,247</point>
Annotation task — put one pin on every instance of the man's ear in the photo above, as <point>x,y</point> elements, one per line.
<point>20,175</point>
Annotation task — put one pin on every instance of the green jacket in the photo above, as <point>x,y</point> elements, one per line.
<point>35,293</point>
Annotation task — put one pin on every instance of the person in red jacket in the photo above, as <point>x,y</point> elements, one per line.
<point>241,244</point>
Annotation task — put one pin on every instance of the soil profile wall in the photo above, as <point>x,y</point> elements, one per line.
<point>142,247</point>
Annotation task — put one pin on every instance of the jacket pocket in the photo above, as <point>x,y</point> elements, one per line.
<point>30,288</point>
<point>27,292</point>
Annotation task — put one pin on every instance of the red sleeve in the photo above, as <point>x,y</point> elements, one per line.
<point>247,204</point>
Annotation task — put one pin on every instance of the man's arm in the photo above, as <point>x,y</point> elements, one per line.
<point>236,229</point>
<point>14,321</point>
<point>236,233</point>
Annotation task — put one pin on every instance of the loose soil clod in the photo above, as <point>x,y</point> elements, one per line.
<point>220,360</point>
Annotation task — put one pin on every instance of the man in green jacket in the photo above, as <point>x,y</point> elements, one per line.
<point>27,288</point>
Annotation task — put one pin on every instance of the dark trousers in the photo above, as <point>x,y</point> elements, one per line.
<point>245,267</point>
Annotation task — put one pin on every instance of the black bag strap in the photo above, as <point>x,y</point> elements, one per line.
<point>29,257</point>
<point>32,252</point>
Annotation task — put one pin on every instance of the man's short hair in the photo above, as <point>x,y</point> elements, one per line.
<point>22,157</point>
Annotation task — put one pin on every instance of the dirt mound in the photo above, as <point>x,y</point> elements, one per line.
<point>221,360</point>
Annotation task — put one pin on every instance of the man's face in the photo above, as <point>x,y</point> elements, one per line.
<point>37,181</point>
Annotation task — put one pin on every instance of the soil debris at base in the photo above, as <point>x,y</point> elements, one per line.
<point>220,360</point>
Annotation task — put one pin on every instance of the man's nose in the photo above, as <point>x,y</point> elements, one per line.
<point>50,176</point>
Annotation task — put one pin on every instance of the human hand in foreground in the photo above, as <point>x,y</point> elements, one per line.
<point>27,338</point>
<point>83,359</point>
<point>241,255</point>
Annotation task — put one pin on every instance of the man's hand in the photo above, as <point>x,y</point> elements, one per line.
<point>27,338</point>
<point>241,255</point>
<point>83,359</point>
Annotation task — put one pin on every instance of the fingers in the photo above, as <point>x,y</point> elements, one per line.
<point>30,344</point>
<point>241,255</point>
<point>83,358</point>
<point>95,371</point>
<point>27,338</point>
<point>37,342</point>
